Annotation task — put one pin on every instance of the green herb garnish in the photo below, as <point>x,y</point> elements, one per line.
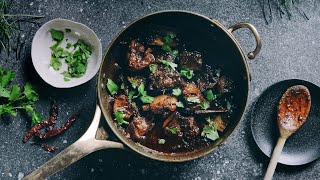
<point>146,99</point>
<point>153,67</point>
<point>188,73</point>
<point>15,99</point>
<point>193,99</point>
<point>204,105</point>
<point>179,104</point>
<point>172,130</point>
<point>161,141</point>
<point>170,64</point>
<point>209,95</point>
<point>134,83</point>
<point>112,87</point>
<point>55,63</point>
<point>210,131</point>
<point>131,95</point>
<point>119,118</point>
<point>176,91</point>
<point>56,34</point>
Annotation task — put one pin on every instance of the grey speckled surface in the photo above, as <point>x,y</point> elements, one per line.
<point>290,50</point>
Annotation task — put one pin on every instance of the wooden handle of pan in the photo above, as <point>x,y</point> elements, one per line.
<point>84,146</point>
<point>274,159</point>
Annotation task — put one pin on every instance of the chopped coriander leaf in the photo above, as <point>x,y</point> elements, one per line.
<point>112,87</point>
<point>131,94</point>
<point>141,90</point>
<point>146,99</point>
<point>67,30</point>
<point>36,118</point>
<point>6,77</point>
<point>168,40</point>
<point>56,35</point>
<point>66,79</point>
<point>204,105</point>
<point>179,104</point>
<point>174,53</point>
<point>229,106</point>
<point>122,86</point>
<point>172,130</point>
<point>210,132</point>
<point>4,92</point>
<point>166,48</point>
<point>193,99</point>
<point>134,83</point>
<point>188,73</point>
<point>119,118</point>
<point>209,95</point>
<point>161,141</point>
<point>55,63</point>
<point>176,91</point>
<point>153,68</point>
<point>168,63</point>
<point>69,45</point>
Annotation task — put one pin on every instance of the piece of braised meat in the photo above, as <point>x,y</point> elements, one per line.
<point>206,79</point>
<point>161,104</point>
<point>191,60</point>
<point>138,127</point>
<point>138,57</point>
<point>184,126</point>
<point>122,104</point>
<point>165,78</point>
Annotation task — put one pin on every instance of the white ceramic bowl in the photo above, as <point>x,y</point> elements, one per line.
<point>41,52</point>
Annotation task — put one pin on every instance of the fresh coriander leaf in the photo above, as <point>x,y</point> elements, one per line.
<point>30,93</point>
<point>66,79</point>
<point>172,130</point>
<point>14,93</point>
<point>67,30</point>
<point>193,99</point>
<point>119,118</point>
<point>161,141</point>
<point>218,72</point>
<point>153,67</point>
<point>146,99</point>
<point>56,35</point>
<point>55,46</point>
<point>229,106</point>
<point>6,77</point>
<point>171,34</point>
<point>188,73</point>
<point>180,104</point>
<point>69,45</point>
<point>176,91</point>
<point>174,53</point>
<point>141,90</point>
<point>134,83</point>
<point>55,63</point>
<point>168,63</point>
<point>6,108</point>
<point>131,94</point>
<point>166,48</point>
<point>122,86</point>
<point>112,87</point>
<point>210,132</point>
<point>4,92</point>
<point>204,105</point>
<point>167,40</point>
<point>36,118</point>
<point>209,95</point>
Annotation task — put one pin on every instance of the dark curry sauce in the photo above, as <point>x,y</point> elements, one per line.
<point>166,98</point>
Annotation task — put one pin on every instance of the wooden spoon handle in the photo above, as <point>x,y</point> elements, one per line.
<point>274,159</point>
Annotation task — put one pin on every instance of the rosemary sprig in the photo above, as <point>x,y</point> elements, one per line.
<point>10,28</point>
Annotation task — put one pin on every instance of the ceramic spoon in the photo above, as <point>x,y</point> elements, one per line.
<point>293,110</point>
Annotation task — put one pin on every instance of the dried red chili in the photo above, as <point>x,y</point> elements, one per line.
<point>48,147</point>
<point>57,131</point>
<point>34,129</point>
<point>53,115</point>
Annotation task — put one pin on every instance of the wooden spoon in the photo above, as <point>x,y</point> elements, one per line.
<point>293,110</point>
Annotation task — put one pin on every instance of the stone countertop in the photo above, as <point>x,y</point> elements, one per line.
<point>290,50</point>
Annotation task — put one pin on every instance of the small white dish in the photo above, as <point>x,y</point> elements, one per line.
<point>41,52</point>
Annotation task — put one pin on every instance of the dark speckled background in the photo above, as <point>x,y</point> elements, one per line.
<point>290,50</point>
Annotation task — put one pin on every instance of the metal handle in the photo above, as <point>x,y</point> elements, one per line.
<point>82,147</point>
<point>253,54</point>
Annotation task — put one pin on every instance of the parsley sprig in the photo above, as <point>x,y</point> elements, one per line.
<point>14,98</point>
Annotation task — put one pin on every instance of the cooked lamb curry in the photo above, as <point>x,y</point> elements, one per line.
<point>166,98</point>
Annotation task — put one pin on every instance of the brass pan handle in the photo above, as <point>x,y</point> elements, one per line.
<point>252,54</point>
